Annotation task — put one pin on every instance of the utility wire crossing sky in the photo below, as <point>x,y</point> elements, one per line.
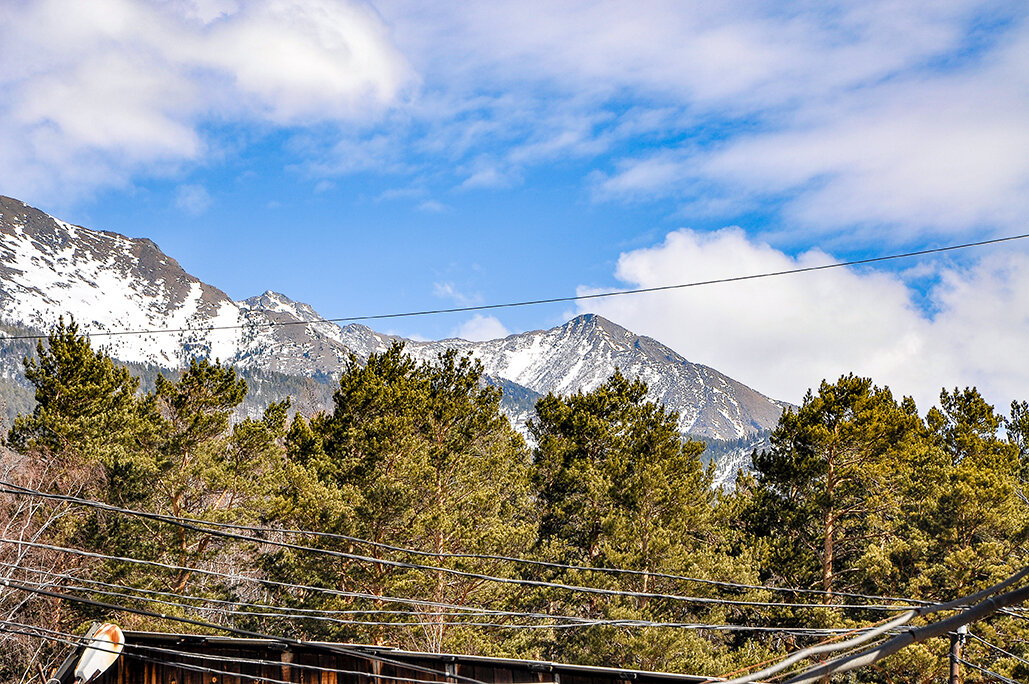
<point>392,155</point>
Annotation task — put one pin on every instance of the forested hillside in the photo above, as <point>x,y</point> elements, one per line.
<point>412,514</point>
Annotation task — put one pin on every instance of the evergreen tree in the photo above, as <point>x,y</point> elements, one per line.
<point>828,480</point>
<point>86,412</point>
<point>414,455</point>
<point>620,488</point>
<point>193,463</point>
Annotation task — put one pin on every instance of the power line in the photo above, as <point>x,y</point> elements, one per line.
<point>826,648</point>
<point>293,611</point>
<point>18,489</point>
<point>573,621</point>
<point>269,582</point>
<point>578,622</point>
<point>990,673</point>
<point>550,300</point>
<point>998,649</point>
<point>971,614</point>
<point>330,648</point>
<point>196,526</point>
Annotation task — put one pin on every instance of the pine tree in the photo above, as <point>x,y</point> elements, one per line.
<point>828,479</point>
<point>415,455</point>
<point>86,411</point>
<point>620,488</point>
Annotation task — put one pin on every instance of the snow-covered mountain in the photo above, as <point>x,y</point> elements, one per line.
<point>584,352</point>
<point>109,283</point>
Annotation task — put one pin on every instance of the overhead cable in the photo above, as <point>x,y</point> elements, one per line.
<point>294,611</point>
<point>18,489</point>
<point>419,602</point>
<point>550,300</point>
<point>329,648</point>
<point>33,587</point>
<point>197,526</point>
<point>989,673</point>
<point>998,649</point>
<point>976,612</point>
<point>269,582</point>
<point>826,648</point>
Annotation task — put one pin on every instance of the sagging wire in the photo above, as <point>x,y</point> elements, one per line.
<point>991,602</point>
<point>18,489</point>
<point>329,648</point>
<point>990,673</point>
<point>574,622</point>
<point>536,302</point>
<point>998,649</point>
<point>811,651</point>
<point>197,526</point>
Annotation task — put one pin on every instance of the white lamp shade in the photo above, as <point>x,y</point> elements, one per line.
<point>104,648</point>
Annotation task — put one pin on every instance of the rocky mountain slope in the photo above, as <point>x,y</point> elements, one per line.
<point>584,352</point>
<point>110,283</point>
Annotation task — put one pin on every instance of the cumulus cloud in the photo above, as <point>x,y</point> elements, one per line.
<point>91,93</point>
<point>479,328</point>
<point>784,335</point>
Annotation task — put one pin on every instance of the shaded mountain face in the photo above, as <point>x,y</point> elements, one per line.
<point>108,282</point>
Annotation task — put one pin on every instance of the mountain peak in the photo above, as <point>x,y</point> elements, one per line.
<point>109,282</point>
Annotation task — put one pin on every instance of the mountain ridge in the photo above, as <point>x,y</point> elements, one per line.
<point>112,283</point>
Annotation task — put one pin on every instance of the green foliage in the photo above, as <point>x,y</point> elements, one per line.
<point>193,463</point>
<point>857,492</point>
<point>826,482</point>
<point>620,488</point>
<point>86,408</point>
<point>414,455</point>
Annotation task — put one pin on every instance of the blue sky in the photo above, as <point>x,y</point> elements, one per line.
<point>388,156</point>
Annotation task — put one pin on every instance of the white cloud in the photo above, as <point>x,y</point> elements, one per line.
<point>192,199</point>
<point>784,335</point>
<point>908,115</point>
<point>92,93</point>
<point>946,154</point>
<point>448,290</point>
<point>479,328</point>
<point>432,206</point>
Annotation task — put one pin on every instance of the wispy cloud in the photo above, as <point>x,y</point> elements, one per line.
<point>192,199</point>
<point>447,290</point>
<point>432,207</point>
<point>876,113</point>
<point>943,152</point>
<point>906,116</point>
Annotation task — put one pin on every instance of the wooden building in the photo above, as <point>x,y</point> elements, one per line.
<point>150,658</point>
